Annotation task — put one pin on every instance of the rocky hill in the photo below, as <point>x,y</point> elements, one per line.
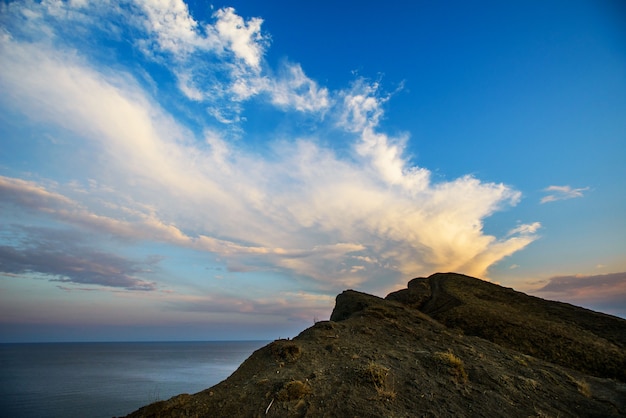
<point>561,333</point>
<point>447,346</point>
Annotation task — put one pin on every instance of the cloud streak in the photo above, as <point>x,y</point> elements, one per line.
<point>562,193</point>
<point>293,305</point>
<point>576,284</point>
<point>604,292</point>
<point>365,216</point>
<point>62,258</point>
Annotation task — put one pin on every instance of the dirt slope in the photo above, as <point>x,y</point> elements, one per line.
<point>384,358</point>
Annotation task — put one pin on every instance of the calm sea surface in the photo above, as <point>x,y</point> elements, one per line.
<point>109,379</point>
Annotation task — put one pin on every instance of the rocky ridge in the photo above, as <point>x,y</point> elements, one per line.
<point>447,346</point>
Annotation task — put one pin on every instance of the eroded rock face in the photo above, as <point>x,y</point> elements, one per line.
<point>350,303</point>
<point>568,335</point>
<point>386,358</point>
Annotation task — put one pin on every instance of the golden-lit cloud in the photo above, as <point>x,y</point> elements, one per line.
<point>142,175</point>
<point>284,206</point>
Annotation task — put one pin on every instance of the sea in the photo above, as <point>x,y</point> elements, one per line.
<point>104,380</point>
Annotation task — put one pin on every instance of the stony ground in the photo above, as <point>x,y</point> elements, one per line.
<point>384,358</point>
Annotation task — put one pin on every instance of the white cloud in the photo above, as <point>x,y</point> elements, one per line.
<point>562,193</point>
<point>174,29</point>
<point>386,156</point>
<point>362,108</point>
<point>526,229</point>
<point>79,3</point>
<point>219,63</point>
<point>243,38</point>
<point>177,32</point>
<point>241,46</point>
<point>295,90</point>
<point>188,87</point>
<point>370,218</point>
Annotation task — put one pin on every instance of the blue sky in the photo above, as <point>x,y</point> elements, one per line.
<point>196,171</point>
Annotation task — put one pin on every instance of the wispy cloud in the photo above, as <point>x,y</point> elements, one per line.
<point>63,257</point>
<point>294,305</point>
<point>605,292</point>
<point>366,216</point>
<point>235,48</point>
<point>526,229</point>
<point>294,90</point>
<point>171,29</point>
<point>243,38</point>
<point>576,284</point>
<point>562,193</point>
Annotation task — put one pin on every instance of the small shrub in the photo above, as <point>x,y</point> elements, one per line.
<point>376,374</point>
<point>296,389</point>
<point>386,394</point>
<point>520,360</point>
<point>286,350</point>
<point>582,386</point>
<point>454,363</point>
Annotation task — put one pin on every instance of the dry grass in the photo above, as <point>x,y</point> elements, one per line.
<point>286,350</point>
<point>386,394</point>
<point>378,375</point>
<point>454,363</point>
<point>293,390</point>
<point>528,383</point>
<point>520,360</point>
<point>582,386</point>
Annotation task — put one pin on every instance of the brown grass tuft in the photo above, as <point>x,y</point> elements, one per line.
<point>582,386</point>
<point>454,363</point>
<point>376,374</point>
<point>286,350</point>
<point>296,389</point>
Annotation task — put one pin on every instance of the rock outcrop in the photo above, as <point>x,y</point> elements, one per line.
<point>574,337</point>
<point>448,346</point>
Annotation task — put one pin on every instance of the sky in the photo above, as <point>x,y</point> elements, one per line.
<point>220,171</point>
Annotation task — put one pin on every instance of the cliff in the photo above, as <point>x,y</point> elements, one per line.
<point>447,346</point>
